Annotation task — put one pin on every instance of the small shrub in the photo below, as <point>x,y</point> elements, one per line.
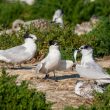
<point>14,97</point>
<point>99,38</point>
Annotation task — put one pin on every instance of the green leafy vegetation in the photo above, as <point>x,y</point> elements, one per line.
<point>75,11</point>
<point>98,38</point>
<point>14,97</point>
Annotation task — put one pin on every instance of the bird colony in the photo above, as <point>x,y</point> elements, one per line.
<point>41,24</point>
<point>87,68</point>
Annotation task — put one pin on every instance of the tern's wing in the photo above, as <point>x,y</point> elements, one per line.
<point>14,54</point>
<point>17,49</point>
<point>38,67</point>
<point>92,71</point>
<point>65,65</point>
<point>62,65</point>
<point>41,64</point>
<point>96,67</point>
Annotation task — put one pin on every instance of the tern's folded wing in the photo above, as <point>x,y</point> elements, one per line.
<point>15,54</point>
<point>38,67</point>
<point>92,71</point>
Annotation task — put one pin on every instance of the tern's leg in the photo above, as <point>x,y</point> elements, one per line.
<point>46,76</point>
<point>19,65</point>
<point>13,65</point>
<point>55,76</point>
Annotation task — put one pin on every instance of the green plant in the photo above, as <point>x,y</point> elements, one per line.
<point>100,38</point>
<point>14,97</point>
<point>75,11</point>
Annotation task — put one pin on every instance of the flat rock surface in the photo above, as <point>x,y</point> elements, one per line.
<point>61,93</point>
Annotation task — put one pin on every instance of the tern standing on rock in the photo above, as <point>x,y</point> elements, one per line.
<point>20,53</point>
<point>51,61</point>
<point>89,68</point>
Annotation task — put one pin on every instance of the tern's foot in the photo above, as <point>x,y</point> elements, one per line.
<point>19,65</point>
<point>46,76</point>
<point>55,79</point>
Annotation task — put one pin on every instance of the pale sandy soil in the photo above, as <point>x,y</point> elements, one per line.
<point>61,93</point>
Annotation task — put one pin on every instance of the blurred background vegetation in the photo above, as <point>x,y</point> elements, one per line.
<point>75,11</point>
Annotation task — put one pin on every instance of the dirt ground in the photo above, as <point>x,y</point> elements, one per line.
<point>61,93</point>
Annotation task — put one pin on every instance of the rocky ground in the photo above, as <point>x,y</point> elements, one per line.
<point>61,93</point>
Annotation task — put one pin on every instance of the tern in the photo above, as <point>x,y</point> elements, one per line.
<point>21,53</point>
<point>89,68</point>
<point>51,61</point>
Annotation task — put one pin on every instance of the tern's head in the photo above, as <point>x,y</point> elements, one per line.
<point>57,17</point>
<point>16,26</point>
<point>30,36</point>
<point>53,44</point>
<point>86,50</point>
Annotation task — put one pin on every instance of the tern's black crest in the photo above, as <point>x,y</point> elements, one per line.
<point>87,47</point>
<point>62,12</point>
<point>26,35</point>
<point>52,42</point>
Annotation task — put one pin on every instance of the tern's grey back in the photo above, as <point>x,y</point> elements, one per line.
<point>16,54</point>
